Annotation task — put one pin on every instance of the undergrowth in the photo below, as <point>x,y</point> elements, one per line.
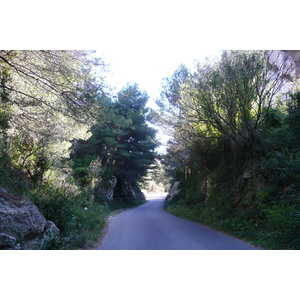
<point>276,228</point>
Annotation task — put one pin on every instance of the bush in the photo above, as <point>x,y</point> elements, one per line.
<point>79,220</point>
<point>283,223</point>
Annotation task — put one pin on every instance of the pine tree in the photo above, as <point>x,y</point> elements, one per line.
<point>124,143</point>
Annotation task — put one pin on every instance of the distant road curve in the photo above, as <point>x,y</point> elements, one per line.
<point>149,227</point>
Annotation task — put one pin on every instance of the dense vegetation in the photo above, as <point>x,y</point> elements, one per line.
<point>65,139</point>
<point>79,152</point>
<point>235,146</point>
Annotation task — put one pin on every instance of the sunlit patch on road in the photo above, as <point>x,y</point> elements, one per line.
<point>152,196</point>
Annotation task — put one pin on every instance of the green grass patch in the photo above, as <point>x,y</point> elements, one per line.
<point>277,228</point>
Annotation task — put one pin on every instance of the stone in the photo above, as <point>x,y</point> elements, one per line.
<point>7,241</point>
<point>20,221</point>
<point>107,190</point>
<point>43,240</point>
<point>127,189</point>
<point>174,190</point>
<point>2,189</point>
<point>110,190</point>
<point>22,226</point>
<point>126,192</point>
<point>50,232</point>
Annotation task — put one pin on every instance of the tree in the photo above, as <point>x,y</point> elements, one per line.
<point>293,117</point>
<point>228,98</point>
<point>237,147</point>
<point>48,99</point>
<point>123,143</point>
<point>137,138</point>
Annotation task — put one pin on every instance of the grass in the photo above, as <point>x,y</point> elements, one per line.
<point>263,233</point>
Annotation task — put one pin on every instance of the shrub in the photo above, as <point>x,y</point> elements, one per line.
<point>79,220</point>
<point>283,223</point>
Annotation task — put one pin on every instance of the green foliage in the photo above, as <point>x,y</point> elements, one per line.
<point>78,219</point>
<point>82,175</point>
<point>158,177</point>
<point>293,119</point>
<point>124,145</point>
<point>63,139</point>
<point>138,139</point>
<point>5,107</point>
<point>48,99</point>
<point>283,224</point>
<point>237,153</point>
<point>283,167</point>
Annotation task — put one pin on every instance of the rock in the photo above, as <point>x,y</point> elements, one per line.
<point>174,190</point>
<point>51,231</point>
<point>22,226</point>
<point>110,190</point>
<point>126,192</point>
<point>3,190</point>
<point>127,189</point>
<point>16,247</point>
<point>43,240</point>
<point>23,221</point>
<point>107,190</point>
<point>7,241</point>
<point>247,175</point>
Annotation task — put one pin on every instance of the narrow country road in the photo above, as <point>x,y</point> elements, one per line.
<point>149,227</point>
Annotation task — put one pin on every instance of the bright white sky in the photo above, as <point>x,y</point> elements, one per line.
<point>145,41</point>
<point>148,67</point>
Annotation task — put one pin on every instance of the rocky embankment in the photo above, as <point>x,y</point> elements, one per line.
<point>174,190</point>
<point>22,226</point>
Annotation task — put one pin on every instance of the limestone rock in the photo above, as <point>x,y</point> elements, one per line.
<point>125,191</point>
<point>7,241</point>
<point>41,241</point>
<point>110,190</point>
<point>22,226</point>
<point>173,191</point>
<point>3,190</point>
<point>107,190</point>
<point>23,220</point>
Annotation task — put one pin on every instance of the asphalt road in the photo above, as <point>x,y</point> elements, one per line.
<point>149,227</point>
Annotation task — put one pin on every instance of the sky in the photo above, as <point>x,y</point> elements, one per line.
<point>146,41</point>
<point>148,68</point>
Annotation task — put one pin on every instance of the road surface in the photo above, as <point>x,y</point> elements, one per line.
<point>149,227</point>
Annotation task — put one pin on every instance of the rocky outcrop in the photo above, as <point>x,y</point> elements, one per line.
<point>107,191</point>
<point>110,190</point>
<point>125,191</point>
<point>7,241</point>
<point>119,188</point>
<point>42,241</point>
<point>22,226</point>
<point>174,190</point>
